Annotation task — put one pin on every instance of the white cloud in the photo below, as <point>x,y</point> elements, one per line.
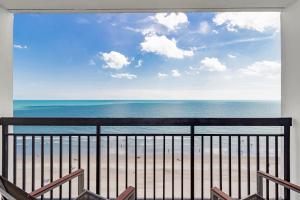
<point>92,62</point>
<point>124,75</point>
<point>114,60</point>
<point>258,21</point>
<point>231,56</point>
<point>18,46</point>
<point>204,28</point>
<point>139,64</point>
<point>268,69</point>
<point>175,73</point>
<point>162,75</point>
<point>212,64</point>
<point>144,31</point>
<point>161,45</point>
<point>172,21</point>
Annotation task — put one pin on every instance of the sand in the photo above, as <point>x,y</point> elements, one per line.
<point>149,174</point>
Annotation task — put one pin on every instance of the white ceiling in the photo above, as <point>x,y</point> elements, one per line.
<point>139,5</point>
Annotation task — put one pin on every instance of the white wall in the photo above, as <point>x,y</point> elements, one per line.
<point>6,68</point>
<point>6,51</point>
<point>291,81</point>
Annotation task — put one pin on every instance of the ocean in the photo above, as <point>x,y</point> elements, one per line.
<point>146,109</point>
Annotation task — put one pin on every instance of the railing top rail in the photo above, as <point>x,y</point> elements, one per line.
<point>146,121</point>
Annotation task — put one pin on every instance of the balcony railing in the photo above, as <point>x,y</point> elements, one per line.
<point>164,158</point>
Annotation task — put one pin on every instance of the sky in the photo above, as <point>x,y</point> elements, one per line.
<point>192,56</point>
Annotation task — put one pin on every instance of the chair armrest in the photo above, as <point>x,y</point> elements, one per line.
<point>279,181</point>
<point>128,194</point>
<point>216,194</point>
<point>78,173</point>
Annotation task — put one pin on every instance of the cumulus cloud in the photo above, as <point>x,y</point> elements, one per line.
<point>212,64</point>
<point>161,45</point>
<point>162,75</point>
<point>124,76</point>
<point>144,31</point>
<point>268,69</point>
<point>114,60</point>
<point>18,46</point>
<point>175,73</point>
<point>139,64</point>
<point>257,21</point>
<point>172,21</point>
<point>204,27</point>
<point>231,56</point>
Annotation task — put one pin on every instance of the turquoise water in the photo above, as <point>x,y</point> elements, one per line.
<point>132,108</point>
<point>154,108</point>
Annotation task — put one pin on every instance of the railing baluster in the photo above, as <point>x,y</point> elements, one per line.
<point>182,167</point>
<point>267,166</point>
<point>79,152</point>
<point>154,166</point>
<point>70,165</point>
<point>108,174</point>
<point>60,164</point>
<point>145,168</point>
<point>5,150</point>
<point>51,164</point>
<point>220,162</point>
<point>172,167</point>
<point>164,166</point>
<point>135,166</point>
<point>88,161</point>
<point>239,167</point>
<point>33,163</point>
<point>126,162</point>
<point>229,166</point>
<point>211,162</point>
<point>202,167</point>
<point>107,171</point>
<point>15,160</point>
<point>98,159</point>
<point>42,163</point>
<point>192,162</point>
<point>248,165</point>
<point>117,166</point>
<point>257,154</point>
<point>276,166</point>
<point>24,163</point>
<point>287,159</point>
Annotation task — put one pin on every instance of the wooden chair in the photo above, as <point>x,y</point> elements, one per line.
<point>12,192</point>
<point>217,194</point>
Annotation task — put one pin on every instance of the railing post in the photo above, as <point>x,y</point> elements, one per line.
<point>98,164</point>
<point>5,150</point>
<point>192,162</point>
<point>287,160</point>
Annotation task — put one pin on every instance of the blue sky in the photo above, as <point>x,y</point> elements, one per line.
<point>147,56</point>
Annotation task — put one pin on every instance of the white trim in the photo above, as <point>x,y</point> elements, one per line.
<point>72,6</point>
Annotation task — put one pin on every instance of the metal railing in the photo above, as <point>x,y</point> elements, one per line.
<point>160,165</point>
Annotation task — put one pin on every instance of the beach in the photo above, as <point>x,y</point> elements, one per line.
<point>149,174</point>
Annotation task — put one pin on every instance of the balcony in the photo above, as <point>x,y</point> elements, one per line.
<point>183,164</point>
